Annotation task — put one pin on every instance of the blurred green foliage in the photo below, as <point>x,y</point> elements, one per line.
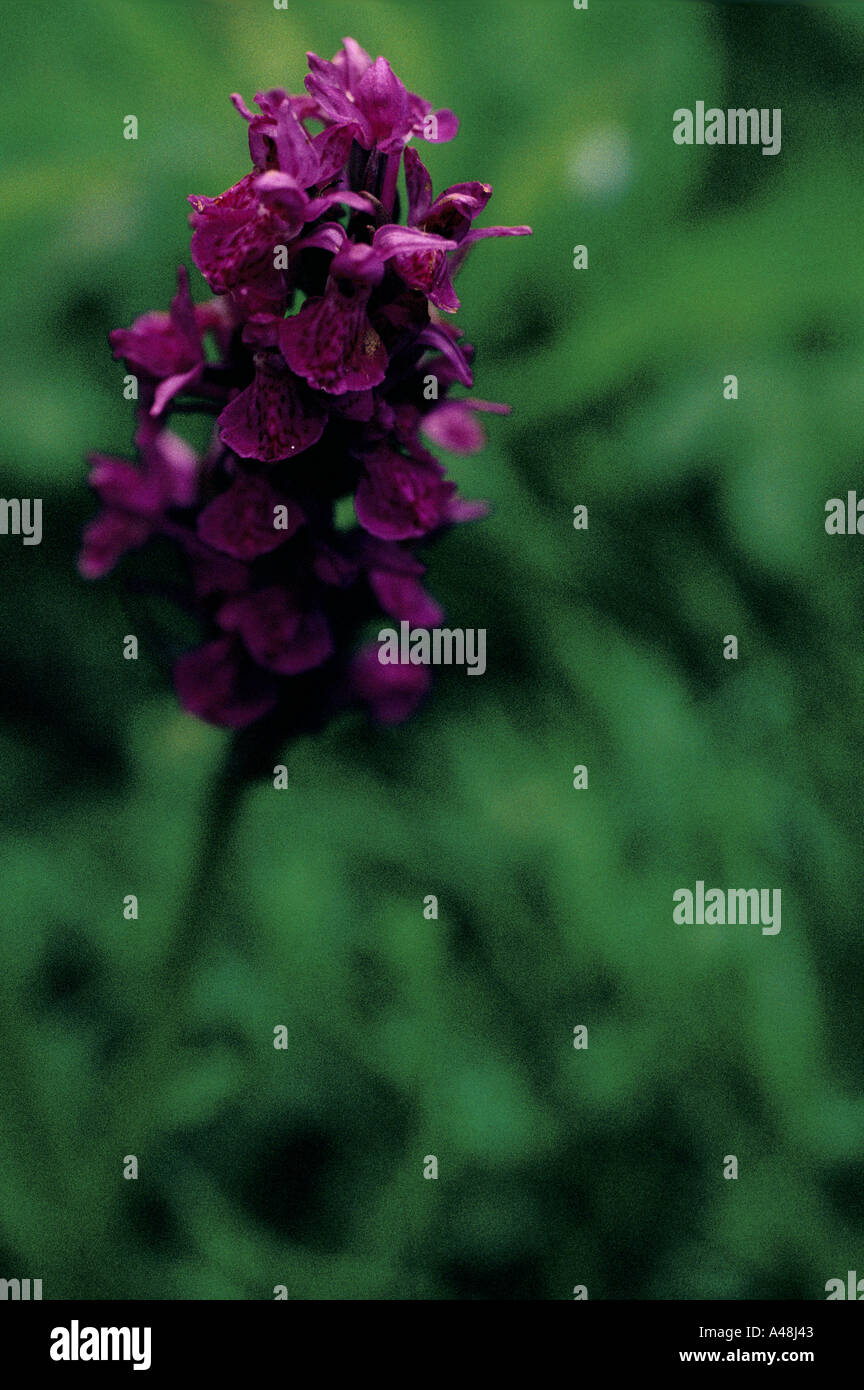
<point>407,1037</point>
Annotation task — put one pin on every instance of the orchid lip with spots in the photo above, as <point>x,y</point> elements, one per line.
<point>330,364</point>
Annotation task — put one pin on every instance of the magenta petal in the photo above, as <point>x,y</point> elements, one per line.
<point>453,426</point>
<point>285,196</point>
<point>384,102</point>
<point>455,209</point>
<point>326,83</point>
<point>442,294</point>
<point>394,240</point>
<point>171,387</point>
<point>399,498</point>
<point>481,233</point>
<point>488,407</point>
<point>420,260</point>
<point>172,462</point>
<point>277,632</point>
<point>120,484</point>
<point>327,86</point>
<point>163,345</point>
<point>235,235</point>
<point>332,147</point>
<point>272,100</point>
<point>461,509</point>
<point>328,236</point>
<point>296,153</point>
<point>352,61</point>
<point>106,539</point>
<point>405,599</point>
<point>183,313</point>
<point>448,127</point>
<point>361,201</point>
<point>425,272</point>
<point>360,265</point>
<point>418,184</point>
<point>216,316</point>
<point>241,521</point>
<point>333,345</point>
<point>435,337</point>
<point>152,345</point>
<point>239,105</point>
<point>272,419</point>
<point>217,682</point>
<point>392,692</point>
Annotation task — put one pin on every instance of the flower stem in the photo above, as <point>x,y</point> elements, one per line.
<point>151,1052</point>
<point>202,896</point>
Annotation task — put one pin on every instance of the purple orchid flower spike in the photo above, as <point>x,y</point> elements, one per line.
<point>313,361</point>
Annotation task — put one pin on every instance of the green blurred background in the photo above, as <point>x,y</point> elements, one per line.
<point>409,1037</point>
